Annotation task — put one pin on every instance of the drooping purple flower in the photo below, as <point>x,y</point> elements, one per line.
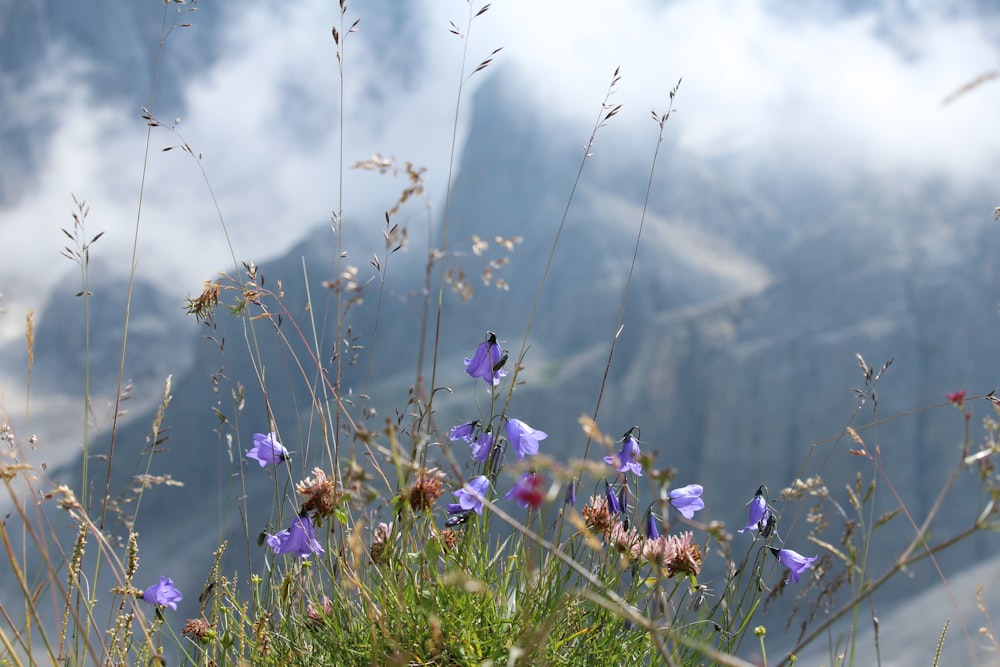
<point>162,594</point>
<point>470,497</point>
<point>687,500</point>
<point>527,491</point>
<point>523,438</point>
<point>767,524</point>
<point>794,561</point>
<point>464,431</point>
<point>758,507</point>
<point>487,361</point>
<point>614,506</point>
<point>652,530</point>
<point>571,492</point>
<point>625,460</point>
<point>267,449</point>
<point>624,495</point>
<point>482,446</point>
<point>299,538</point>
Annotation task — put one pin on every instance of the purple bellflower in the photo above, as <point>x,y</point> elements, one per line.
<point>758,508</point>
<point>482,446</point>
<point>571,491</point>
<point>162,594</point>
<point>614,505</point>
<point>687,500</point>
<point>464,431</point>
<point>652,529</point>
<point>487,361</point>
<point>625,460</point>
<point>267,449</point>
<point>299,539</point>
<point>523,438</point>
<point>470,497</point>
<point>794,561</point>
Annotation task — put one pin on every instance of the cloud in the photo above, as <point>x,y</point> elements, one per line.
<point>824,91</point>
<point>833,93</point>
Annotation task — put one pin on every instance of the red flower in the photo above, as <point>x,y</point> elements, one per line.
<point>958,398</point>
<point>527,491</point>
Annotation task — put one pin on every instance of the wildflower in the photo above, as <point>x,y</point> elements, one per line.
<point>267,449</point>
<point>299,539</point>
<point>623,498</point>
<point>470,497</point>
<point>794,561</point>
<point>523,438</point>
<point>597,515</point>
<point>448,538</point>
<point>315,615</point>
<point>652,532</point>
<point>322,496</point>
<point>625,460</point>
<point>571,492</point>
<point>162,594</point>
<point>767,523</point>
<point>463,431</point>
<point>687,500</point>
<point>199,629</point>
<point>379,550</point>
<point>486,362</point>
<point>614,505</point>
<point>526,491</point>
<point>625,541</point>
<point>677,554</point>
<point>958,398</point>
<point>426,489</point>
<point>758,506</point>
<point>685,555</point>
<point>482,446</point>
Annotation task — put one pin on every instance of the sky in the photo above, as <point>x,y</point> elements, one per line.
<point>765,86</point>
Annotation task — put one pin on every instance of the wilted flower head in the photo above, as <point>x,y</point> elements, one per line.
<point>625,460</point>
<point>794,561</point>
<point>266,449</point>
<point>625,541</point>
<point>379,550</point>
<point>447,538</point>
<point>470,497</point>
<point>675,553</point>
<point>487,361</point>
<point>597,516</point>
<point>687,500</point>
<point>685,555</point>
<point>758,506</point>
<point>523,438</point>
<point>322,496</point>
<point>527,491</point>
<point>198,629</point>
<point>299,538</point>
<point>162,594</point>
<point>425,490</point>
